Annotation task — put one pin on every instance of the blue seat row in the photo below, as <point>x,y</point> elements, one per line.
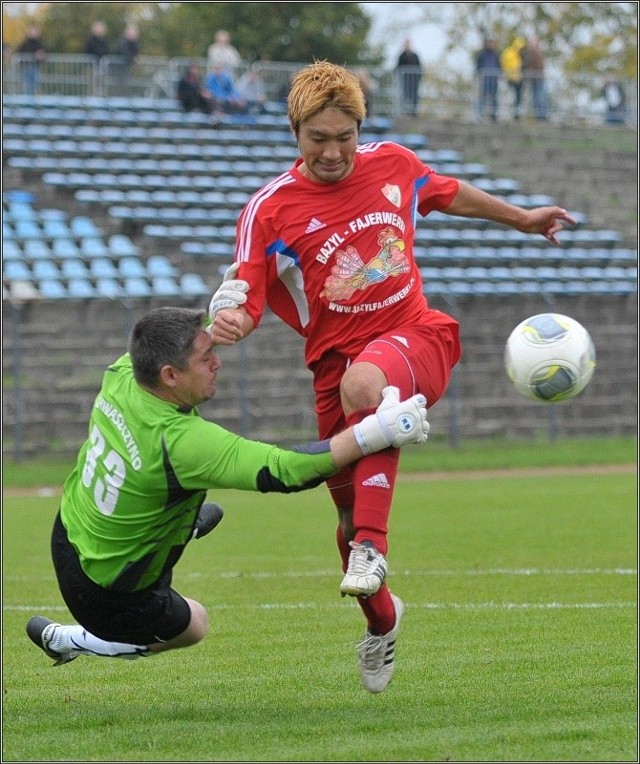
<point>38,248</point>
<point>99,267</point>
<point>116,147</point>
<point>187,285</point>
<point>453,289</point>
<point>263,162</point>
<point>540,274</point>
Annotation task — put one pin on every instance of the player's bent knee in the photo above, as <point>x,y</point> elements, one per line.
<point>199,624</point>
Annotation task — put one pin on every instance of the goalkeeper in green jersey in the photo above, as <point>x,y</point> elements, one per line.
<point>136,495</point>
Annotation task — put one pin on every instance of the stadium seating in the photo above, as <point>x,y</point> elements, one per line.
<point>178,185</point>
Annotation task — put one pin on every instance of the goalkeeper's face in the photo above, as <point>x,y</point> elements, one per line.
<point>197,383</point>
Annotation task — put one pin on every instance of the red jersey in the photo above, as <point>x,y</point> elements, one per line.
<point>335,261</point>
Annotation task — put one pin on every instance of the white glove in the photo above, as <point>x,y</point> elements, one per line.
<point>230,294</point>
<point>394,423</point>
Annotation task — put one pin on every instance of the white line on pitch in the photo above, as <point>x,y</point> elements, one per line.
<point>423,605</point>
<point>408,572</point>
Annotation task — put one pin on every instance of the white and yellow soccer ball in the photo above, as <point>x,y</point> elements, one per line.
<point>549,357</point>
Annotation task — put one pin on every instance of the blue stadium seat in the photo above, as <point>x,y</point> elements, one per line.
<point>193,284</point>
<point>159,265</point>
<point>499,273</point>
<point>102,268</point>
<point>18,210</point>
<point>129,267</point>
<point>35,248</point>
<point>83,226</point>
<point>430,274</point>
<point>16,270</point>
<point>529,288</point>
<point>92,246</point>
<point>460,288</point>
<point>62,248</point>
<point>52,289</point>
<point>7,231</point>
<point>80,288</point>
<point>52,214</point>
<point>109,288</point>
<point>74,269</point>
<point>614,273</point>
<point>136,287</point>
<point>45,270</point>
<point>477,273</point>
<point>11,249</point>
<point>624,255</point>
<point>164,286</point>
<point>121,245</point>
<point>27,229</point>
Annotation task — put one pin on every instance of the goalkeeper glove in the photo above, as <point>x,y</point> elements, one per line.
<point>394,423</point>
<point>230,294</point>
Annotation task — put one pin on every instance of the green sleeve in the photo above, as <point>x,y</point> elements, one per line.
<point>206,455</point>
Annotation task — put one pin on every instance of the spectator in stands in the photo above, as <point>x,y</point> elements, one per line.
<point>533,77</point>
<point>368,86</point>
<point>221,54</point>
<point>97,44</point>
<point>252,89</point>
<point>127,50</point>
<point>32,53</point>
<point>135,499</point>
<point>283,90</point>
<point>488,73</point>
<point>511,63</point>
<point>328,246</point>
<point>616,102</point>
<point>409,72</point>
<point>191,92</point>
<point>222,87</point>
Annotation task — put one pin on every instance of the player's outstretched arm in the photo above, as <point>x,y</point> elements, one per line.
<point>474,202</point>
<point>394,424</point>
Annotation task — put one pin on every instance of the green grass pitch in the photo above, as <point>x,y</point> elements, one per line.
<point>518,642</point>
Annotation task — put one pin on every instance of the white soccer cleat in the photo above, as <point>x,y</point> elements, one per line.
<point>366,571</point>
<point>376,660</point>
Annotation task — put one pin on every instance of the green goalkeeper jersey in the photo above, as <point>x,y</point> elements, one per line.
<point>130,504</point>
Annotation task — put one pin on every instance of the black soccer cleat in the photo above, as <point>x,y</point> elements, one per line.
<point>40,630</point>
<point>209,515</point>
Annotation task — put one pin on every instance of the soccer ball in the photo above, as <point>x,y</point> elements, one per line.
<point>549,357</point>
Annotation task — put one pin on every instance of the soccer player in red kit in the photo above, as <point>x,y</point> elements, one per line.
<point>328,245</point>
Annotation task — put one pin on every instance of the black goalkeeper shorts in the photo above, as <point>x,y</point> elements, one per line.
<point>152,615</point>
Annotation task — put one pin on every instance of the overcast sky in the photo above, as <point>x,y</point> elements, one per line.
<point>394,23</point>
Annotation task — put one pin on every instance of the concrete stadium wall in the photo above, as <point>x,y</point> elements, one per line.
<point>265,392</point>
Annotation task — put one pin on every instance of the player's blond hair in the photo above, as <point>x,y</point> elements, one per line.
<point>321,85</point>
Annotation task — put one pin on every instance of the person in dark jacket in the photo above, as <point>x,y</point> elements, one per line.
<point>97,43</point>
<point>127,50</point>
<point>191,93</point>
<point>33,53</point>
<point>488,72</point>
<point>409,76</point>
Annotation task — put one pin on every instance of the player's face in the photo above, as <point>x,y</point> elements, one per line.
<point>197,383</point>
<point>327,143</point>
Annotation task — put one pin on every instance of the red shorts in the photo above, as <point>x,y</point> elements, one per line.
<point>416,359</point>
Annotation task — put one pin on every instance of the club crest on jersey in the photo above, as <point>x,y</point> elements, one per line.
<point>392,193</point>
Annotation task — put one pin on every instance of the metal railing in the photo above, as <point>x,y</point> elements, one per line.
<point>575,99</point>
